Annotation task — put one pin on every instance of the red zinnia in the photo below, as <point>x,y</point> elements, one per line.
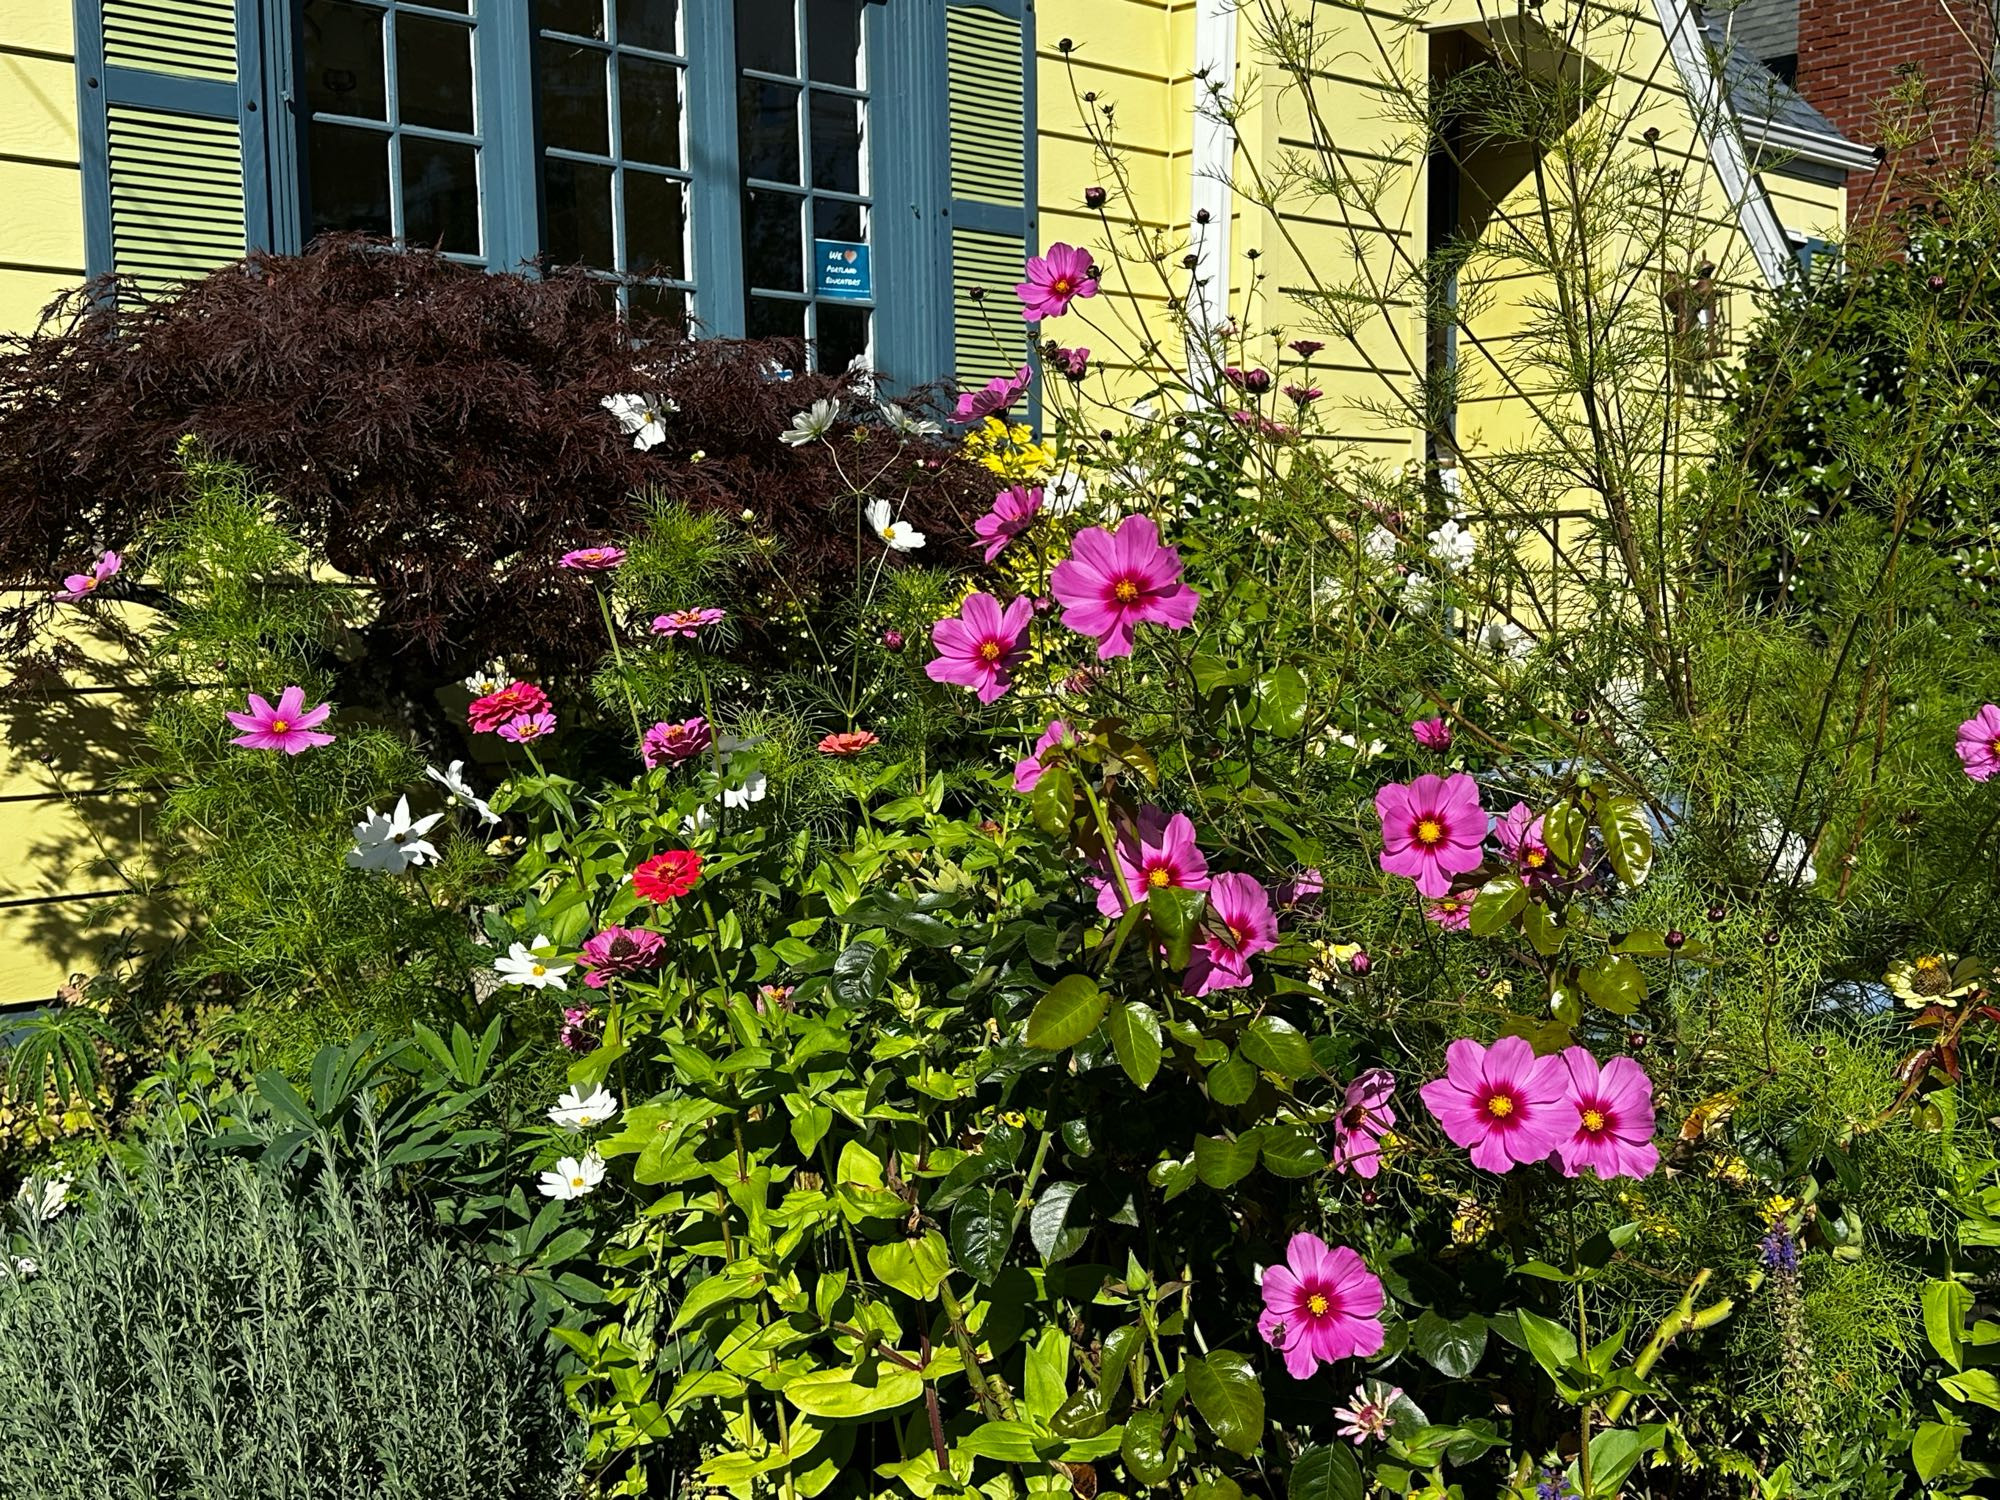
<point>850,742</point>
<point>511,702</point>
<point>666,876</point>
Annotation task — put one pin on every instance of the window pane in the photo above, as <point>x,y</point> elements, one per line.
<point>772,319</point>
<point>577,17</point>
<point>653,24</point>
<point>835,220</point>
<point>767,36</point>
<point>655,225</point>
<point>843,336</point>
<point>836,142</point>
<point>578,201</point>
<point>664,305</point>
<point>344,60</point>
<point>833,41</point>
<point>575,114</point>
<point>767,126</point>
<point>649,111</point>
<point>441,194</point>
<point>350,179</point>
<point>773,254</point>
<point>434,73</point>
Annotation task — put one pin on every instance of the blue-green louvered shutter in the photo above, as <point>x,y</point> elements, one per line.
<point>990,60</point>
<point>162,137</point>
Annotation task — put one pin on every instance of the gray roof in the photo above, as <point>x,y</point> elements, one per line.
<point>1765,29</point>
<point>1776,120</point>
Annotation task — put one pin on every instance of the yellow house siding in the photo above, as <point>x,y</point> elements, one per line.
<point>41,234</point>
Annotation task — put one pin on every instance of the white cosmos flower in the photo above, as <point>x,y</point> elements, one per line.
<point>643,418</point>
<point>525,965</point>
<point>489,679</point>
<point>1504,639</point>
<point>45,1197</point>
<point>452,779</point>
<point>392,841</point>
<point>906,423</point>
<point>900,536</point>
<point>573,1177</point>
<point>754,786</point>
<point>1451,545</point>
<point>1419,593</point>
<point>811,424</point>
<point>576,1112</point>
<point>1066,494</point>
<point>701,819</point>
<point>1379,545</point>
<point>23,1266</point>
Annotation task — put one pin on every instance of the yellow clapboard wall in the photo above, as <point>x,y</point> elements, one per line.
<point>41,232</point>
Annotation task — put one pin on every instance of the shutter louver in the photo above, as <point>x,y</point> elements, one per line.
<point>187,38</point>
<point>988,54</point>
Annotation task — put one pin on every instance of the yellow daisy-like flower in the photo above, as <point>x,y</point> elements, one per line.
<point>1934,979</point>
<point>1010,452</point>
<point>1776,1207</point>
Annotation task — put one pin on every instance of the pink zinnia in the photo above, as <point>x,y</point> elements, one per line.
<point>1363,1120</point>
<point>1502,1103</point>
<point>1112,583</point>
<point>78,586</point>
<point>290,727</point>
<point>682,741</point>
<point>994,398</point>
<point>1432,830</point>
<point>1014,510</point>
<point>1321,1305</point>
<point>1978,741</point>
<point>849,742</point>
<point>524,727</point>
<point>981,646</point>
<point>1372,1413</point>
<point>489,713</point>
<point>1028,771</point>
<point>1160,854</point>
<point>618,952</point>
<point>1452,912</point>
<point>1241,925</point>
<point>1612,1110</point>
<point>1054,280</point>
<point>1432,734</point>
<point>1519,835</point>
<point>593,559</point>
<point>686,622</point>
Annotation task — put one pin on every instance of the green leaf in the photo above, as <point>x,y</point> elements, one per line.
<point>1047,1221</point>
<point>1617,1450</point>
<point>1279,1046</point>
<point>1144,1449</point>
<point>1280,695</point>
<point>1053,802</point>
<point>1542,929</point>
<point>1628,842</point>
<point>1004,1442</point>
<point>982,1227</point>
<point>1564,828</point>
<point>1232,1080</point>
<point>1067,1014</point>
<point>1119,1346</point>
<point>1615,984</point>
<point>1211,673</point>
<point>1453,1347</point>
<point>1945,1305</point>
<point>1936,1449</point>
<point>1175,914</point>
<point>1499,901</point>
<point>1226,1392</point>
<point>1981,1386</point>
<point>877,1386</point>
<point>1289,1152</point>
<point>1330,1473</point>
<point>916,1268</point>
<point>1550,1343</point>
<point>858,973</point>
<point>1136,1040</point>
<point>1219,1163</point>
<point>809,1127</point>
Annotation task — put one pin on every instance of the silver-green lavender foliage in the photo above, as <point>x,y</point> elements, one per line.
<point>205,1330</point>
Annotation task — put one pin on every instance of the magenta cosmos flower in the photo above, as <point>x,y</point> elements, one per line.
<point>1028,770</point>
<point>1978,741</point>
<point>1611,1109</point>
<point>1365,1117</point>
<point>1054,281</point>
<point>1432,734</point>
<point>1014,510</point>
<point>525,727</point>
<point>593,559</point>
<point>1240,925</point>
<point>1321,1305</point>
<point>1432,830</point>
<point>1112,583</point>
<point>682,741</point>
<point>1502,1103</point>
<point>290,727</point>
<point>992,399</point>
<point>1519,835</point>
<point>79,586</point>
<point>686,622</point>
<point>1073,364</point>
<point>982,645</point>
<point>1451,911</point>
<point>1160,854</point>
<point>619,952</point>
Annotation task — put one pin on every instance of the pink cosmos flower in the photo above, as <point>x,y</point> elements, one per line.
<point>1519,835</point>
<point>619,952</point>
<point>1054,280</point>
<point>1241,925</point>
<point>1978,740</point>
<point>1073,364</point>
<point>1014,510</point>
<point>1362,1122</point>
<point>1304,395</point>
<point>994,398</point>
<point>1370,1414</point>
<point>524,727</point>
<point>1432,734</point>
<point>1452,912</point>
<point>686,622</point>
<point>682,741</point>
<point>1251,382</point>
<point>1432,830</point>
<point>290,727</point>
<point>1321,1305</point>
<point>488,713</point>
<point>1159,854</point>
<point>1301,887</point>
<point>593,559</point>
<point>981,646</point>
<point>1111,584</point>
<point>1306,348</point>
<point>1612,1108</point>
<point>1028,771</point>
<point>1502,1103</point>
<point>576,1024</point>
<point>80,586</point>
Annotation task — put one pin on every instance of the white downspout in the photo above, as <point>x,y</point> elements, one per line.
<point>1210,196</point>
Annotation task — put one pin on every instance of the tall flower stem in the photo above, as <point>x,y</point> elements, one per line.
<point>618,657</point>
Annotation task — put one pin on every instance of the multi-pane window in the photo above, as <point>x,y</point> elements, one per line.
<point>610,83</point>
<point>392,133</point>
<point>801,128</point>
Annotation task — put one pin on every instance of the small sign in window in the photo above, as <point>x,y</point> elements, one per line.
<point>843,271</point>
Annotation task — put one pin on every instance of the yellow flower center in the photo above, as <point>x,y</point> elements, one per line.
<point>1125,591</point>
<point>279,726</point>
<point>1536,859</point>
<point>1500,1106</point>
<point>1159,875</point>
<point>1060,286</point>
<point>989,651</point>
<point>1593,1120</point>
<point>1317,1304</point>
<point>89,584</point>
<point>1430,831</point>
<point>576,1182</point>
<point>538,970</point>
